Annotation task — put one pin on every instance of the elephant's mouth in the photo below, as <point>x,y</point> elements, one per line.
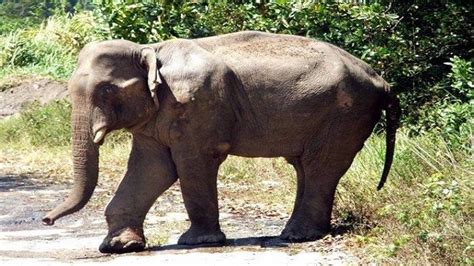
<point>99,135</point>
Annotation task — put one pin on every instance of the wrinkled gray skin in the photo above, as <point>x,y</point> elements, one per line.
<point>190,103</point>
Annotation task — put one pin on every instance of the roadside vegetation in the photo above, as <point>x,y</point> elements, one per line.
<point>425,212</point>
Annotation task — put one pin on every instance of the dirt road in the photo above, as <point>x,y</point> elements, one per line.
<point>24,198</point>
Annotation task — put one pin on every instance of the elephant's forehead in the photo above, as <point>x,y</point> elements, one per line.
<point>83,68</point>
<point>95,69</point>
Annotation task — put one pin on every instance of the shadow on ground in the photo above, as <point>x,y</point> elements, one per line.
<point>10,182</point>
<point>262,241</point>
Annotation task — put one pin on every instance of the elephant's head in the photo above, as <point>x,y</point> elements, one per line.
<point>112,87</point>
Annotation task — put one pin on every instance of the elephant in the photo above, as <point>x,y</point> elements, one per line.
<point>189,103</point>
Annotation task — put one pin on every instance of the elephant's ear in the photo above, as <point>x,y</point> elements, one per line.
<point>149,61</point>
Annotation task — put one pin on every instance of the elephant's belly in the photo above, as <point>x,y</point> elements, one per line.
<point>259,148</point>
<point>286,139</point>
<point>280,133</point>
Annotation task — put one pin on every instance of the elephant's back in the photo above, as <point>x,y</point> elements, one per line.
<point>268,56</point>
<point>266,62</point>
<point>250,51</point>
<point>260,44</point>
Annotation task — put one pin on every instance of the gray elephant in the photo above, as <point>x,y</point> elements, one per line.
<point>190,103</point>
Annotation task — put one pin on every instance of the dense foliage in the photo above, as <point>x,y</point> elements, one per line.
<point>423,48</point>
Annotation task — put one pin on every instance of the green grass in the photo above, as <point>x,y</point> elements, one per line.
<point>39,125</point>
<point>47,126</point>
<point>49,49</point>
<point>423,214</point>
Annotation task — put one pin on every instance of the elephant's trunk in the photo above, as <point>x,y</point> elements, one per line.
<point>86,162</point>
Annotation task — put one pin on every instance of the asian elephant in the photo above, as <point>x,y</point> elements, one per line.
<point>190,103</point>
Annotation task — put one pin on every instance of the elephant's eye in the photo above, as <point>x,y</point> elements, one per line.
<point>107,89</point>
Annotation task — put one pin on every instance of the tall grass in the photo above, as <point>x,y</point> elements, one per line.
<point>50,49</point>
<point>424,213</point>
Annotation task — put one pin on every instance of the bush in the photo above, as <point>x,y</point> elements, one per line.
<point>451,116</point>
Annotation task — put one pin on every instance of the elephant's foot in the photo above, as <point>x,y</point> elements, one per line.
<point>123,241</point>
<point>303,231</point>
<point>196,236</point>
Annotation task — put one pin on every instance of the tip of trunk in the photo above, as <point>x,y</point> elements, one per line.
<point>48,220</point>
<point>71,205</point>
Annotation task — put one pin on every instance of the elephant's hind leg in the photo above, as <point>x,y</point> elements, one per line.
<point>324,163</point>
<point>150,172</point>
<point>311,219</point>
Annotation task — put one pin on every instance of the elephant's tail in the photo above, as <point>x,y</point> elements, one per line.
<point>392,114</point>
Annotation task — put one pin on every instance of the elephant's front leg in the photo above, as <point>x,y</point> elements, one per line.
<point>150,172</point>
<point>198,174</point>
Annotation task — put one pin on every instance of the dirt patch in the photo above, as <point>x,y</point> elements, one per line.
<point>42,90</point>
